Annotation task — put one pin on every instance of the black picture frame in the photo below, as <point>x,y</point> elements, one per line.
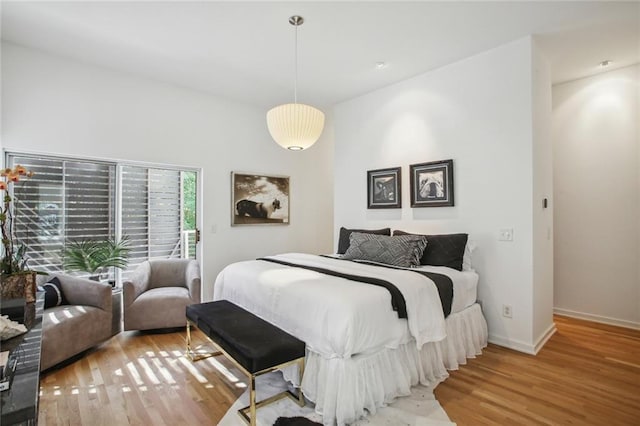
<point>432,184</point>
<point>384,188</point>
<point>259,199</point>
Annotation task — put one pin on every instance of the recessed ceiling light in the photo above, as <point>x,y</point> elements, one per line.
<point>605,63</point>
<point>381,65</point>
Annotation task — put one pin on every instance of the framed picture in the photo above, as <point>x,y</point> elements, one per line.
<point>258,199</point>
<point>432,184</point>
<point>383,189</point>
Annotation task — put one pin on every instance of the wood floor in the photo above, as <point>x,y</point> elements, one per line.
<point>587,374</point>
<point>140,379</point>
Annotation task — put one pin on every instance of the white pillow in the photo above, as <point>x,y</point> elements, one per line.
<point>468,252</point>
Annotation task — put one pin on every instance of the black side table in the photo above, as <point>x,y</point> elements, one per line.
<point>19,404</point>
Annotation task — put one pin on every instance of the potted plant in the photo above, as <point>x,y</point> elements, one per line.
<point>16,280</point>
<point>94,257</point>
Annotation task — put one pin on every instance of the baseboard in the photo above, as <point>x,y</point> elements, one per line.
<point>597,318</point>
<point>544,338</point>
<point>516,345</point>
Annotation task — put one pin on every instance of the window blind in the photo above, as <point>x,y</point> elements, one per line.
<point>151,213</point>
<point>64,201</point>
<point>70,199</point>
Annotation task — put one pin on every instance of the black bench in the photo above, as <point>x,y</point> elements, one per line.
<point>254,345</point>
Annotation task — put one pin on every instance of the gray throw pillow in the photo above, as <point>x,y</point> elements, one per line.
<point>403,250</point>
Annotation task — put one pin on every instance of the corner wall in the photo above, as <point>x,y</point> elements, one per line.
<point>596,128</point>
<point>479,113</point>
<point>543,326</point>
<point>58,106</point>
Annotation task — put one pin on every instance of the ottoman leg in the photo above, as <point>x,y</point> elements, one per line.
<point>252,400</point>
<point>191,354</point>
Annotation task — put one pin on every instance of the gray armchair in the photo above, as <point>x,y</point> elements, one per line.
<point>85,322</point>
<point>158,293</point>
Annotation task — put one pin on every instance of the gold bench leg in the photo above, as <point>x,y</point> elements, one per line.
<point>191,354</point>
<point>252,400</point>
<point>251,417</point>
<point>248,413</point>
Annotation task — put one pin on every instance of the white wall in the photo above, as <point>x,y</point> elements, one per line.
<point>479,113</point>
<point>597,197</point>
<point>54,105</point>
<point>543,327</point>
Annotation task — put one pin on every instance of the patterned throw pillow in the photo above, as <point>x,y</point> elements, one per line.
<point>404,251</point>
<point>443,250</point>
<point>344,240</point>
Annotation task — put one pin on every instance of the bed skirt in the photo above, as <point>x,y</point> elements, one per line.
<point>342,389</point>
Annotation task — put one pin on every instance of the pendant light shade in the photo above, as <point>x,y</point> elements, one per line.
<point>295,126</point>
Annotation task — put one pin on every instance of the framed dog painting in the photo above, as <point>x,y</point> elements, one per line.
<point>432,184</point>
<point>258,199</point>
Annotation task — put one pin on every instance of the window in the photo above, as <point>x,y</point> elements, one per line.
<point>72,199</point>
<point>152,213</point>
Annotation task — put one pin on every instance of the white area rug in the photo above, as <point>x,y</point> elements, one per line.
<point>418,409</point>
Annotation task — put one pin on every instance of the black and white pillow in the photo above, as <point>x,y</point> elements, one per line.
<point>53,295</point>
<point>344,241</point>
<point>443,250</point>
<point>404,251</point>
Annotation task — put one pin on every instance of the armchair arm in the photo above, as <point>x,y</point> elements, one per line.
<point>137,284</point>
<point>81,291</point>
<point>192,279</point>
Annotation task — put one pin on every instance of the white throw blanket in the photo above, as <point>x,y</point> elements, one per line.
<point>335,317</point>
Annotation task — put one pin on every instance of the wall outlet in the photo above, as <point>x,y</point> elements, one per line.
<point>506,311</point>
<point>506,234</point>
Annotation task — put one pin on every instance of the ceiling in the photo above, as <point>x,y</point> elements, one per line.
<point>244,50</point>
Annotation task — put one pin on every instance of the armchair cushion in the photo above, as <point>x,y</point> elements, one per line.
<point>71,329</point>
<point>163,307</point>
<point>168,273</point>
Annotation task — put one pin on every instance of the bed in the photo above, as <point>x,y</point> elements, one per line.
<point>360,353</point>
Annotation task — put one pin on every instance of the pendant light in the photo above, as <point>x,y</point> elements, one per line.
<point>295,126</point>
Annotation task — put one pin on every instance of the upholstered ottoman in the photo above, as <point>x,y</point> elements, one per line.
<point>254,345</point>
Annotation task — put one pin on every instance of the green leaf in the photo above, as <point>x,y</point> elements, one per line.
<point>93,256</point>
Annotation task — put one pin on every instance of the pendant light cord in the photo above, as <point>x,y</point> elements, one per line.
<point>295,81</point>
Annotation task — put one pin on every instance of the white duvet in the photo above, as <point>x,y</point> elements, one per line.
<point>334,316</point>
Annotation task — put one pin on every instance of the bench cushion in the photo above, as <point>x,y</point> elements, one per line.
<point>253,342</point>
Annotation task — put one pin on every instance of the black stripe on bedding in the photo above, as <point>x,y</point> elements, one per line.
<point>397,299</point>
<point>443,283</point>
<point>445,289</point>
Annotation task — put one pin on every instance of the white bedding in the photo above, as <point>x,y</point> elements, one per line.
<point>360,354</point>
<point>465,285</point>
<point>344,390</point>
<point>336,317</point>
